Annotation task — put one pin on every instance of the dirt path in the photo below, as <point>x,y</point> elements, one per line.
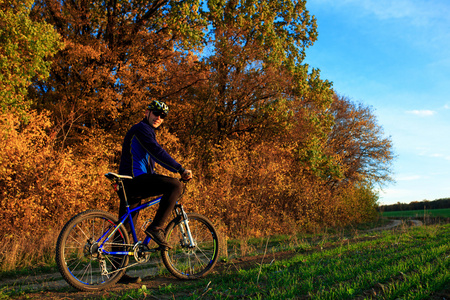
<point>397,223</point>
<point>48,284</point>
<point>52,286</point>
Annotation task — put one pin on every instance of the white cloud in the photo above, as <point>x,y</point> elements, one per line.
<point>421,113</point>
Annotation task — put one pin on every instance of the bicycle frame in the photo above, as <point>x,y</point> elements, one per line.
<point>187,236</point>
<point>122,221</point>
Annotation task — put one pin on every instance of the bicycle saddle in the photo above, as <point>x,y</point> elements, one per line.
<point>112,175</point>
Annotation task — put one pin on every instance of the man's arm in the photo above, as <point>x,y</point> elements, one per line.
<point>147,139</point>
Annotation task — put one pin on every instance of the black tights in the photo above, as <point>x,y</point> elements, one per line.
<point>148,185</point>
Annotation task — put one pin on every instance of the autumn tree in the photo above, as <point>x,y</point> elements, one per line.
<point>259,119</point>
<point>253,64</point>
<point>24,45</point>
<point>115,60</point>
<point>256,46</point>
<point>363,152</point>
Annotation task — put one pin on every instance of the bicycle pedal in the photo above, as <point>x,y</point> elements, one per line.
<point>152,250</point>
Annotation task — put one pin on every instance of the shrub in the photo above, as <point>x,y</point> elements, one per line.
<point>42,186</point>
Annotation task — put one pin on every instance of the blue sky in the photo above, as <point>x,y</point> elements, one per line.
<point>394,55</point>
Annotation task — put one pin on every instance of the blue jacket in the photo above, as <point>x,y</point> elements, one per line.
<point>140,151</point>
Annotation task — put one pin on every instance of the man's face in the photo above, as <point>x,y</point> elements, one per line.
<point>153,119</point>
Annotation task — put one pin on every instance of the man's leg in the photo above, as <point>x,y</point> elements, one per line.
<point>172,190</point>
<point>148,185</point>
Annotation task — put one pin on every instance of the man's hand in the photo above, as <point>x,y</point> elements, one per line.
<point>187,175</point>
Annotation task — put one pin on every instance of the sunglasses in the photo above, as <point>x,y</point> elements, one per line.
<point>158,113</point>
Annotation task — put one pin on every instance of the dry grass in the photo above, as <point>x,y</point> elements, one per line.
<point>30,252</point>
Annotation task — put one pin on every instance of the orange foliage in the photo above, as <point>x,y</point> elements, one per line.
<point>256,191</point>
<point>247,188</point>
<point>41,186</point>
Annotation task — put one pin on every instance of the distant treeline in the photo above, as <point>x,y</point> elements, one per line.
<point>436,204</point>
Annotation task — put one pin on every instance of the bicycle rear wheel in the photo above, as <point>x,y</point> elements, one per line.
<point>78,256</point>
<point>184,261</point>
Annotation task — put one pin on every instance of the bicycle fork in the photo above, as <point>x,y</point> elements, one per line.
<point>186,235</point>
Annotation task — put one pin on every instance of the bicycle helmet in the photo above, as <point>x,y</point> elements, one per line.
<point>158,106</point>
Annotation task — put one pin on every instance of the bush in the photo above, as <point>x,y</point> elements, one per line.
<point>256,191</point>
<point>42,186</point>
<point>246,188</point>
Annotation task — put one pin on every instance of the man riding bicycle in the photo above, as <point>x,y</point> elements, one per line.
<point>94,249</point>
<point>140,152</point>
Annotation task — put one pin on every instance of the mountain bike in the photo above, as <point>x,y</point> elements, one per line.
<point>93,248</point>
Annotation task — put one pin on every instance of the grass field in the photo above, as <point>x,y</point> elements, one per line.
<point>404,263</point>
<point>411,263</point>
<point>444,213</point>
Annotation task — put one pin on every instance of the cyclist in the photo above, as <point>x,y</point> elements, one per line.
<point>140,152</point>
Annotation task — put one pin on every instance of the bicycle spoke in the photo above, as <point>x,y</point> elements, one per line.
<point>191,262</point>
<point>79,251</point>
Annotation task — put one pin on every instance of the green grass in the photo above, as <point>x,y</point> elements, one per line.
<point>444,213</point>
<point>404,264</point>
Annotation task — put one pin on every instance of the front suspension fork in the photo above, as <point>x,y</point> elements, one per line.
<point>188,239</point>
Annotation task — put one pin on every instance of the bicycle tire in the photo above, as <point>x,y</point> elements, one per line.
<point>186,262</point>
<point>77,258</point>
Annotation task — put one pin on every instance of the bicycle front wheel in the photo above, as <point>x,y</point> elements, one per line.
<point>187,261</point>
<point>80,251</point>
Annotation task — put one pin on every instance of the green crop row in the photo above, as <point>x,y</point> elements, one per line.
<point>408,264</point>
<point>443,212</point>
